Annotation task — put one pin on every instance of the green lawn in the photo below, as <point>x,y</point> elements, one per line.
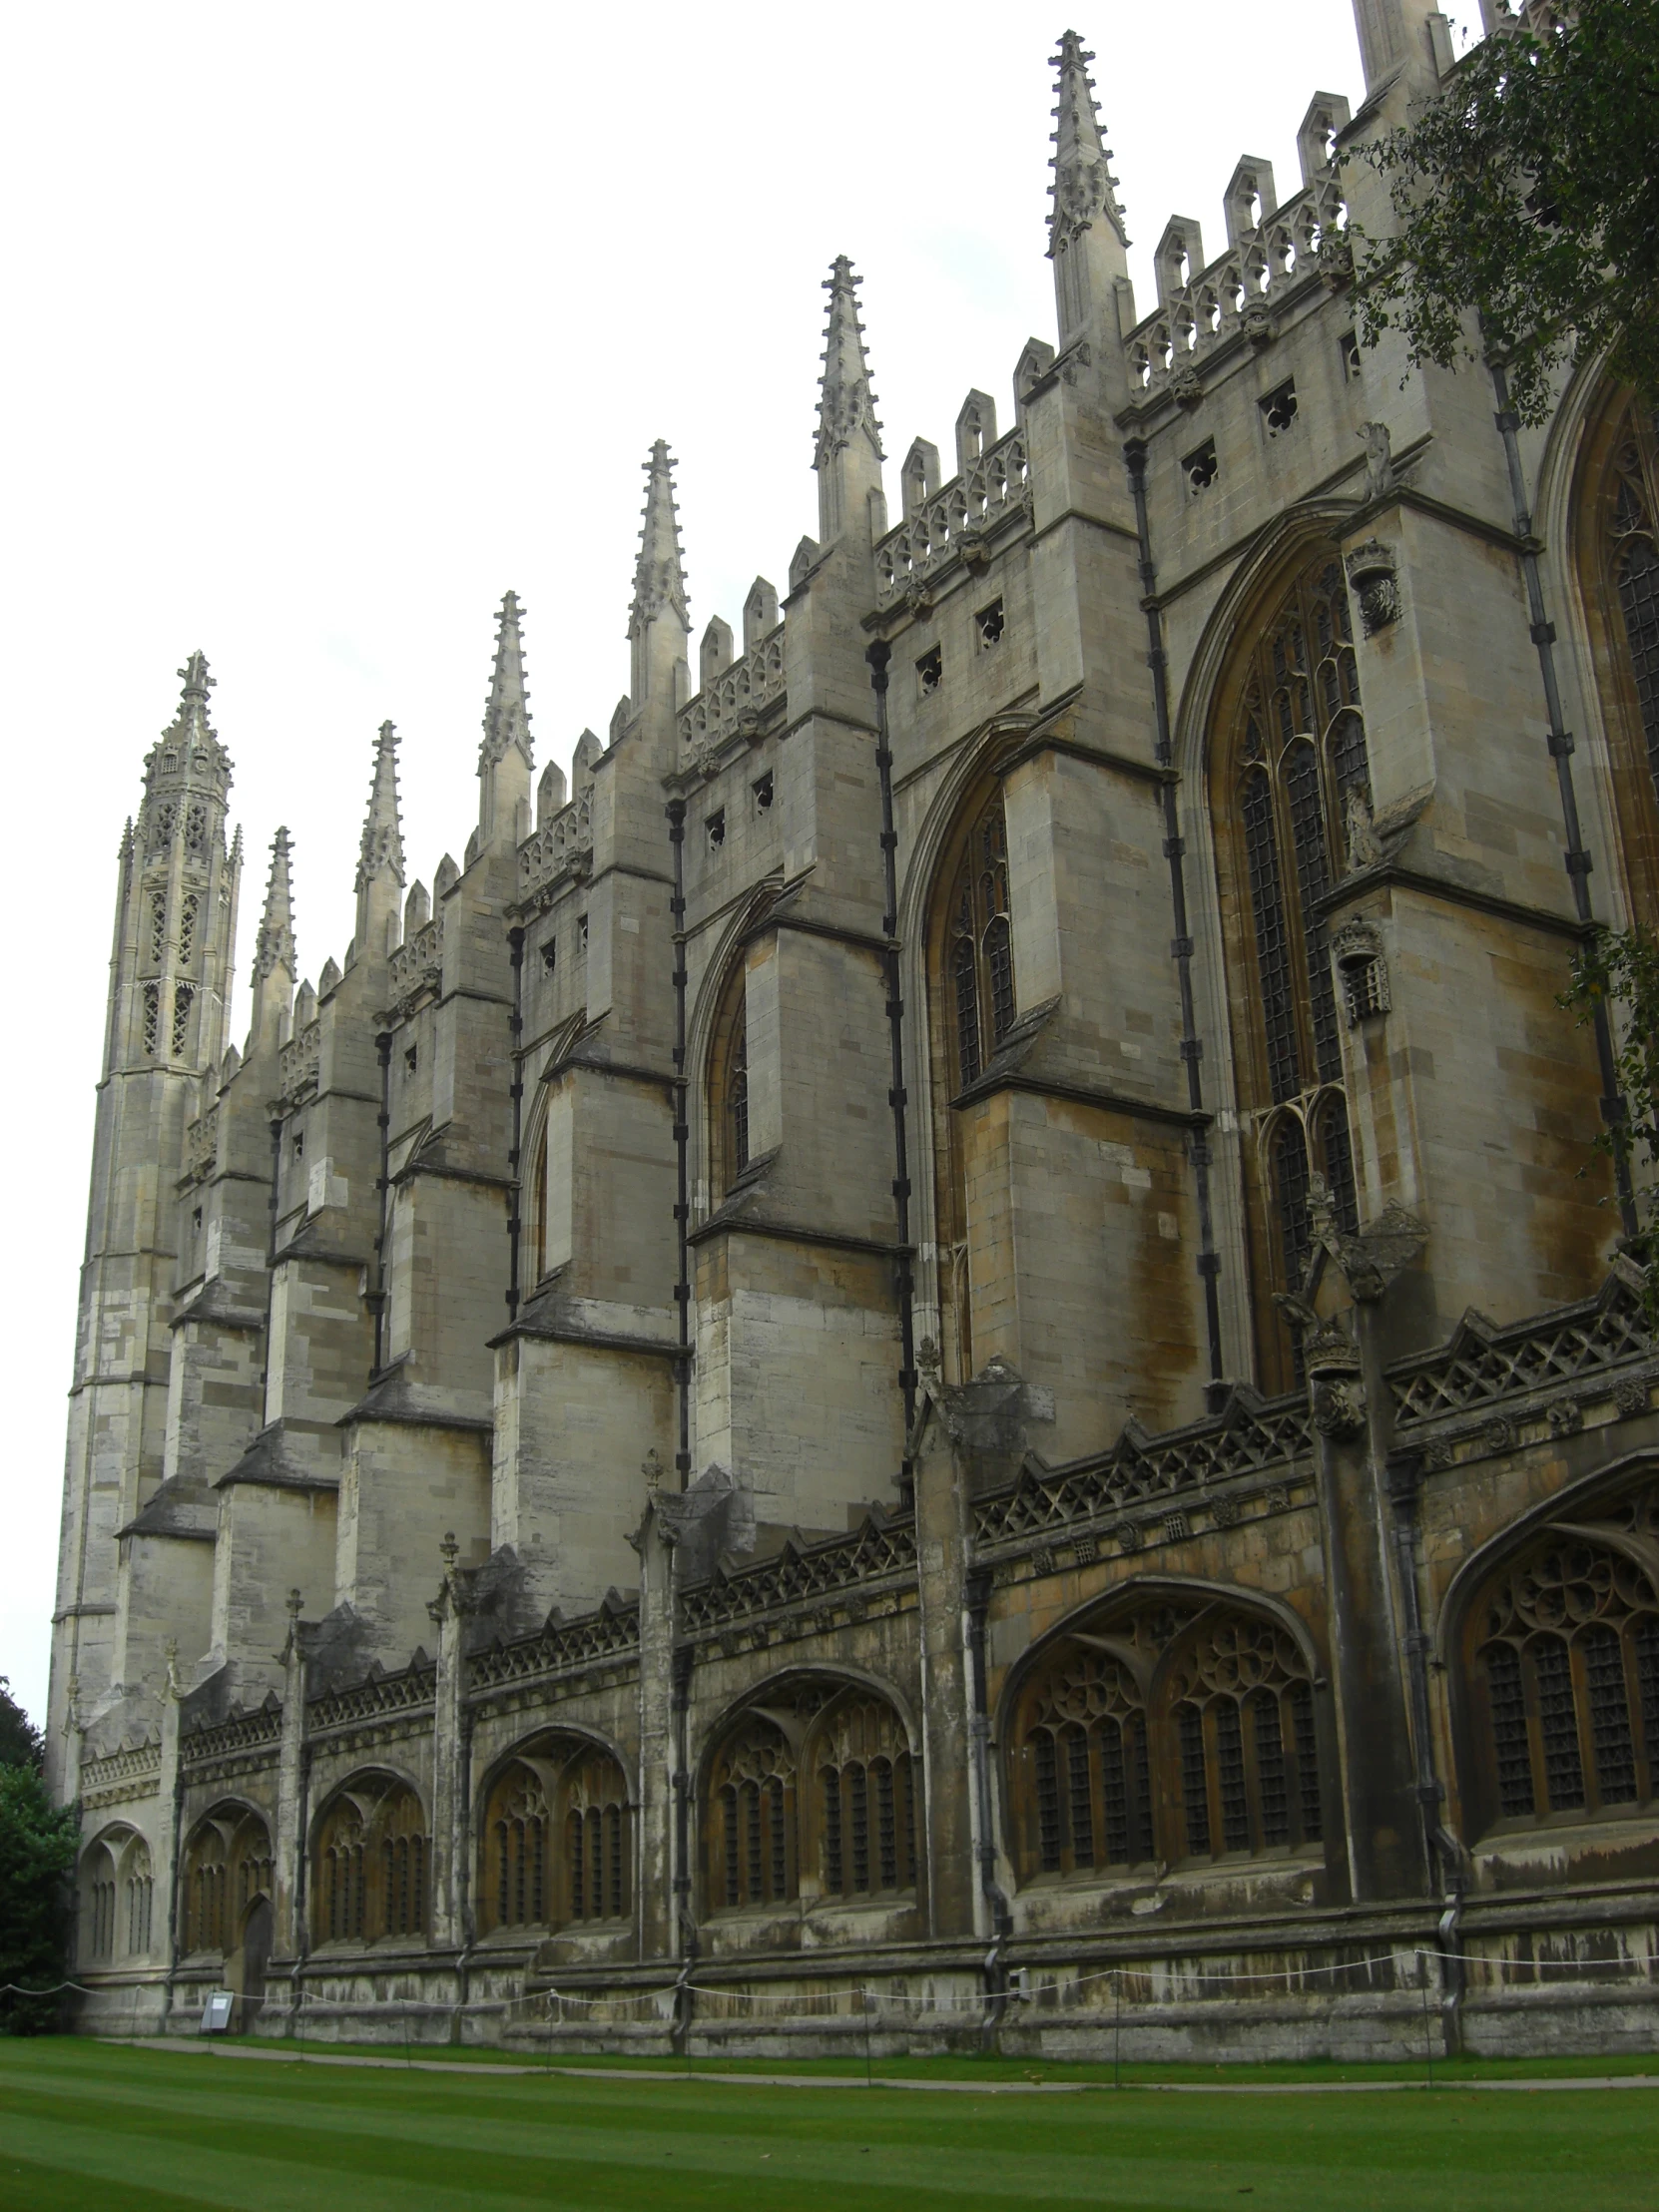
<point>84,2126</point>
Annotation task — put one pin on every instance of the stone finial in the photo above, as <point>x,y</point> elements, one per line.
<point>659,573</point>
<point>550,793</point>
<point>759,611</point>
<point>507,710</point>
<point>1328,115</point>
<point>716,653</point>
<point>274,947</point>
<point>919,476</point>
<point>296,1604</point>
<point>1084,188</point>
<point>976,428</point>
<point>418,909</point>
<point>450,1550</point>
<point>444,877</point>
<point>380,851</point>
<point>846,405</point>
<point>1249,198</point>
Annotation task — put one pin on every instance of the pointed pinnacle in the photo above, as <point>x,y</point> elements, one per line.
<point>198,683</point>
<point>845,401</point>
<point>507,710</point>
<point>273,946</point>
<point>382,849</point>
<point>659,574</point>
<point>1083,186</point>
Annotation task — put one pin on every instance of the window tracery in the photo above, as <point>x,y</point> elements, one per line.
<point>182,997</point>
<point>100,1891</point>
<point>227,1870</point>
<point>1286,782</point>
<point>1619,576</point>
<point>980,953</point>
<point>728,1086</point>
<point>557,1841</point>
<point>373,1864</point>
<point>1563,1650</point>
<point>814,1794</point>
<point>1177,1732</point>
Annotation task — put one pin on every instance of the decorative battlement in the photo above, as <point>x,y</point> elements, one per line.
<point>1239,294</point>
<point>241,1732</point>
<point>613,1632</point>
<point>800,1573</point>
<point>129,1772</point>
<point>1249,1437</point>
<point>738,696</point>
<point>201,1146</point>
<point>375,1699</point>
<point>417,965</point>
<point>956,521</point>
<point>1483,1363</point>
<point>301,1064</point>
<point>562,847</point>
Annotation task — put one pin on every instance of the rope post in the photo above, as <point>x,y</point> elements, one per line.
<point>1117,2028</point>
<point>1427,2035</point>
<point>868,2000</point>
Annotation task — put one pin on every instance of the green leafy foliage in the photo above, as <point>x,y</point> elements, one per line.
<point>37,1853</point>
<point>1526,192</point>
<point>1619,969</point>
<point>21,1741</point>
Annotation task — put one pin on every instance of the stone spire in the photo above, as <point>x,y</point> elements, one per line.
<point>659,576</point>
<point>187,763</point>
<point>1087,242</point>
<point>847,454</point>
<point>381,854</point>
<point>275,961</point>
<point>1084,187</point>
<point>507,710</point>
<point>658,619</point>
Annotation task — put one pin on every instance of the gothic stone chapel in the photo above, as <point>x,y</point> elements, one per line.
<point>935,1343</point>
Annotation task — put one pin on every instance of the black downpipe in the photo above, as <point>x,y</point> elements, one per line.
<point>977,1598</point>
<point>271,1264</point>
<point>1576,858</point>
<point>1447,1855</point>
<point>685,1924</point>
<point>382,1189</point>
<point>878,654</point>
<point>1181,945</point>
<point>515,1189</point>
<point>682,1139</point>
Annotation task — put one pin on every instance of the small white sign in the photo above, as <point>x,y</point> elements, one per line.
<point>215,2013</point>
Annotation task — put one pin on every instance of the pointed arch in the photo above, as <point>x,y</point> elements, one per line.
<point>227,1872</point>
<point>1616,553</point>
<point>556,1837</point>
<point>1287,760</point>
<point>1169,1722</point>
<point>372,1862</point>
<point>726,1092</point>
<point>973,1001</point>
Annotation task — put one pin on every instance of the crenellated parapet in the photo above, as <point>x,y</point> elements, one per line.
<point>416,967</point>
<point>958,522</point>
<point>560,851</point>
<point>737,699</point>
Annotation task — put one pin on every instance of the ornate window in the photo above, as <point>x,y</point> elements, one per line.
<point>557,1843</point>
<point>152,1019</point>
<point>158,927</point>
<point>182,997</point>
<point>538,1210</point>
<point>189,907</point>
<point>1177,1731</point>
<point>979,956</point>
<point>865,1826</point>
<point>226,1873</point>
<point>728,1106</point>
<point>1285,788</point>
<point>1563,1674</point>
<point>99,1889</point>
<point>756,1859</point>
<point>138,1887</point>
<point>373,1864</point>
<point>815,1793</point>
<point>1619,570</point>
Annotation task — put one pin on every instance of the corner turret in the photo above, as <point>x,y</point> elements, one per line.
<point>848,455</point>
<point>381,854</point>
<point>505,757</point>
<point>659,621</point>
<point>274,959</point>
<point>1087,242</point>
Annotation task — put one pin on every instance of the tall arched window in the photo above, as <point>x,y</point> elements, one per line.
<point>815,1795</point>
<point>227,1872</point>
<point>1562,1670</point>
<point>1172,1732</point>
<point>728,1087</point>
<point>557,1845</point>
<point>538,1208</point>
<point>1618,538</point>
<point>1288,766</point>
<point>98,1886</point>
<point>864,1814</point>
<point>980,956</point>
<point>372,1864</point>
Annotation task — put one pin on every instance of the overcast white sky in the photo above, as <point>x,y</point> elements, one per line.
<point>329,324</point>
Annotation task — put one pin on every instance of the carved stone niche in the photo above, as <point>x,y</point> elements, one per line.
<point>1363,968</point>
<point>1373,579</point>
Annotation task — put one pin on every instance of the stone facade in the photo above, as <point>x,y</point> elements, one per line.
<point>948,1337</point>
